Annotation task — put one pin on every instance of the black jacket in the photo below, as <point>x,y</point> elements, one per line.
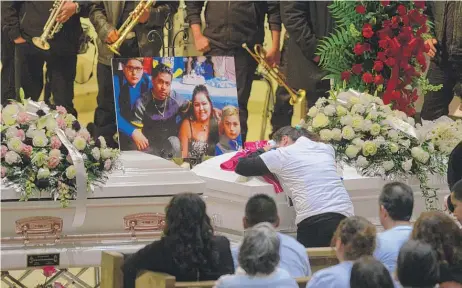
<point>157,257</point>
<point>455,166</point>
<point>229,24</point>
<point>306,22</point>
<point>27,19</point>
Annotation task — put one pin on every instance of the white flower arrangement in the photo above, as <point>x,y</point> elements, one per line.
<point>368,135</point>
<point>36,160</point>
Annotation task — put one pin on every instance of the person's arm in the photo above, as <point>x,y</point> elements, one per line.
<point>251,166</point>
<point>295,17</point>
<point>145,259</point>
<point>194,9</point>
<point>184,135</point>
<point>274,21</point>
<point>98,18</point>
<point>10,19</point>
<point>431,17</point>
<point>160,12</point>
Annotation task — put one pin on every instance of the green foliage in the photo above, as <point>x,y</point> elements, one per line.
<point>426,87</point>
<point>344,13</point>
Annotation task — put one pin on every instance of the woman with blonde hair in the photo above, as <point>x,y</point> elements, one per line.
<point>230,127</point>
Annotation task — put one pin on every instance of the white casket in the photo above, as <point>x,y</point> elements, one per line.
<point>227,195</point>
<point>123,215</point>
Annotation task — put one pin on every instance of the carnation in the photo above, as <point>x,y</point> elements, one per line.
<point>22,118</point>
<point>4,150</point>
<point>357,122</point>
<point>346,120</point>
<point>358,109</point>
<point>55,153</point>
<point>329,110</point>
<point>348,133</point>
<point>336,134</point>
<point>61,110</point>
<point>341,111</point>
<point>375,129</point>
<point>55,142</point>
<point>358,142</point>
<point>369,148</point>
<point>320,121</point>
<point>313,112</point>
<point>53,162</point>
<point>325,134</point>
<point>12,157</point>
<point>27,150</point>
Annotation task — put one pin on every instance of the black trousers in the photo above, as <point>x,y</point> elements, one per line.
<point>436,104</point>
<point>318,230</point>
<point>61,71</point>
<point>245,71</point>
<point>8,82</point>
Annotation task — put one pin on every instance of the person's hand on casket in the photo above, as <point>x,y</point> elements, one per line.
<point>140,140</point>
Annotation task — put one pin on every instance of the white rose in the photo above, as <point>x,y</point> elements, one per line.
<point>12,157</point>
<point>15,144</point>
<point>341,111</point>
<point>69,119</point>
<point>325,134</point>
<point>336,134</point>
<point>70,134</point>
<point>369,148</point>
<point>40,140</point>
<point>43,173</point>
<point>358,142</point>
<point>351,151</point>
<point>11,132</point>
<point>346,120</point>
<point>51,124</point>
<point>106,153</point>
<point>388,165</point>
<point>420,155</point>
<point>393,147</point>
<point>320,121</point>
<point>353,100</point>
<point>80,143</point>
<point>362,162</point>
<point>329,110</point>
<point>71,172</point>
<point>367,124</point>
<point>380,141</point>
<point>358,109</point>
<point>348,133</point>
<point>357,122</point>
<point>95,153</point>
<point>313,112</point>
<point>11,109</point>
<point>393,134</point>
<point>372,115</point>
<point>55,153</point>
<point>407,165</point>
<point>375,129</point>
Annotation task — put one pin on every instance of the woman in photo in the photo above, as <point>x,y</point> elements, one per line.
<point>230,138</point>
<point>199,132</point>
<point>201,65</point>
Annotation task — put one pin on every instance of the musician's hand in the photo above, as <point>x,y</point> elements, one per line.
<point>19,40</point>
<point>273,56</point>
<point>202,43</point>
<point>112,36</point>
<point>431,43</point>
<point>67,11</point>
<point>140,140</point>
<point>145,16</point>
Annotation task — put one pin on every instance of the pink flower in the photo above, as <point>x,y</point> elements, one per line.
<point>4,150</point>
<point>53,161</point>
<point>58,285</point>
<point>55,142</point>
<point>22,118</point>
<point>61,123</point>
<point>3,172</point>
<point>84,134</point>
<point>107,164</point>
<point>48,271</point>
<point>61,110</point>
<point>21,135</point>
<point>27,150</point>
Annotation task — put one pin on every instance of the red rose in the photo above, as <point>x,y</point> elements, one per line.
<point>378,79</point>
<point>383,43</point>
<point>381,56</point>
<point>346,75</point>
<point>405,20</point>
<point>390,62</point>
<point>401,10</point>
<point>360,9</point>
<point>357,68</point>
<point>419,4</point>
<point>368,78</point>
<point>367,47</point>
<point>367,30</point>
<point>421,59</point>
<point>378,66</point>
<point>48,271</point>
<point>395,95</point>
<point>385,3</point>
<point>359,49</point>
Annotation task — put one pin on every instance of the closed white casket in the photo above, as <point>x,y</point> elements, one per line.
<point>123,215</point>
<point>227,195</point>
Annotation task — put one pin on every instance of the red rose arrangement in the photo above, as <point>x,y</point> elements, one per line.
<point>383,49</point>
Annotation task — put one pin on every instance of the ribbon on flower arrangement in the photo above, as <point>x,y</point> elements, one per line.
<point>81,178</point>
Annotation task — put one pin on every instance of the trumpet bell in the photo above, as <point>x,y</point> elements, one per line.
<point>40,43</point>
<point>298,97</point>
<point>114,48</point>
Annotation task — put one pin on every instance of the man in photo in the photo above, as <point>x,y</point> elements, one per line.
<point>230,139</point>
<point>157,114</point>
<point>128,88</point>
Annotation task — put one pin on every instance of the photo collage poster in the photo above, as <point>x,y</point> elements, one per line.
<point>177,107</point>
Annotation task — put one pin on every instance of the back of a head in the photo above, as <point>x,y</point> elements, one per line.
<point>398,199</point>
<point>357,235</point>
<point>261,208</point>
<point>417,265</point>
<point>259,252</point>
<point>442,233</point>
<point>457,190</point>
<point>368,272</point>
<point>294,133</point>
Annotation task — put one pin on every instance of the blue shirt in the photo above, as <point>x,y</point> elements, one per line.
<point>134,93</point>
<point>337,276</point>
<point>294,258</point>
<point>389,243</point>
<point>279,278</point>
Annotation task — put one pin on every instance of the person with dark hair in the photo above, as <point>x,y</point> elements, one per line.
<point>353,239</point>
<point>368,272</point>
<point>456,199</point>
<point>293,258</point>
<point>417,265</point>
<point>157,115</point>
<point>199,130</point>
<point>188,248</point>
<point>319,197</point>
<point>258,261</point>
<point>396,204</point>
<point>445,237</point>
<point>454,172</point>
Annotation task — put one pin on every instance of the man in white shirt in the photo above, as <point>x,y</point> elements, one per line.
<point>293,257</point>
<point>396,204</point>
<point>306,169</point>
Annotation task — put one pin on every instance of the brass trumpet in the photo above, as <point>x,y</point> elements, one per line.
<point>129,24</point>
<point>51,27</point>
<point>259,54</point>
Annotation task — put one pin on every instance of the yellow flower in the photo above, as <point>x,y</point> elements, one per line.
<point>393,147</point>
<point>357,122</point>
<point>341,111</point>
<point>325,134</point>
<point>375,129</point>
<point>351,151</point>
<point>71,172</point>
<point>79,143</point>
<point>313,111</point>
<point>369,148</point>
<point>320,121</point>
<point>348,133</point>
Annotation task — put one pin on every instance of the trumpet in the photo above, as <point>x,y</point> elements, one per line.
<point>129,24</point>
<point>259,54</point>
<point>51,27</point>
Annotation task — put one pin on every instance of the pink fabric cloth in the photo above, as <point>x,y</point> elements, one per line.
<point>251,147</point>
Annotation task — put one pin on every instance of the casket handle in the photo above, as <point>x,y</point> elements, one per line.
<point>144,222</point>
<point>39,227</point>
